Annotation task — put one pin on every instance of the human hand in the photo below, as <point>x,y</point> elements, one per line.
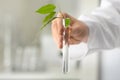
<point>77,31</point>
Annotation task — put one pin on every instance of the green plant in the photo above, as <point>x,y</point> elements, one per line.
<point>49,12</point>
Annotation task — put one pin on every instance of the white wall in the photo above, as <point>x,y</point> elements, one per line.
<point>76,7</point>
<point>69,6</point>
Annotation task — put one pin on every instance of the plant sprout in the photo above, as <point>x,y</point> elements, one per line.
<point>49,12</point>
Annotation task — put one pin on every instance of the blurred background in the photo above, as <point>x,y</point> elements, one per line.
<point>28,54</point>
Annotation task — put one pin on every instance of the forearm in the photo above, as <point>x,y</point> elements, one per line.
<point>104,28</point>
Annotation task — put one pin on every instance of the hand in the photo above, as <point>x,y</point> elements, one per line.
<point>78,30</point>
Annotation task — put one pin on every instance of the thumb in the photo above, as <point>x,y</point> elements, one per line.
<point>65,15</point>
<point>60,15</point>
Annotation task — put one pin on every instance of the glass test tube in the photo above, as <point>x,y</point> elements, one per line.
<point>65,52</point>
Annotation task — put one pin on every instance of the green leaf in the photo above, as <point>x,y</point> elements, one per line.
<point>45,24</point>
<point>67,22</point>
<point>46,9</point>
<point>49,16</point>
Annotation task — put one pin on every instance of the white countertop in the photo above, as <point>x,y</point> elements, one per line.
<point>41,76</point>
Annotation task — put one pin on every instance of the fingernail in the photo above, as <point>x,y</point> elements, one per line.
<point>59,14</point>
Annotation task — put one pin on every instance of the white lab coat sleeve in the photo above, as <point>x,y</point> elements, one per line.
<point>104,26</point>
